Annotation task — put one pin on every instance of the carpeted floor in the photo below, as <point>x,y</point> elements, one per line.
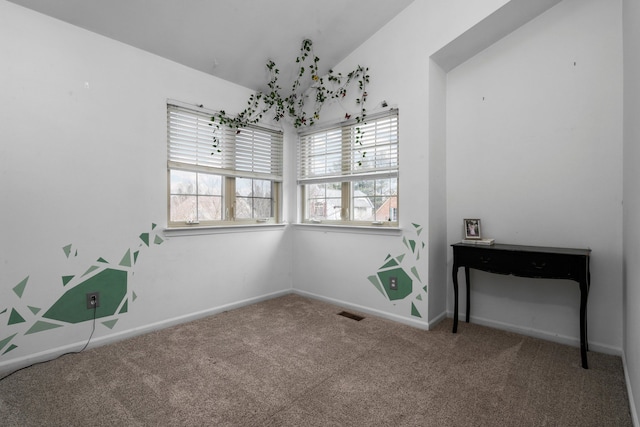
<point>293,361</point>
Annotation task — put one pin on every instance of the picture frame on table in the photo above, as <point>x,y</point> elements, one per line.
<point>472,230</point>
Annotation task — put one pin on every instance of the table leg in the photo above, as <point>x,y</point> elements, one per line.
<point>454,274</point>
<point>584,293</point>
<point>466,276</point>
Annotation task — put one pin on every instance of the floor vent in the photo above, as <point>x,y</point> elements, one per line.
<point>350,316</point>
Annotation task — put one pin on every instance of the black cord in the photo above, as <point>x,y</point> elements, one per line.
<point>93,328</point>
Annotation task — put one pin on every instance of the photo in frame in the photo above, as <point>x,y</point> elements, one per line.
<point>472,229</point>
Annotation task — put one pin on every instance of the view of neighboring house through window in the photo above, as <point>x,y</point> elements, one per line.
<point>238,181</point>
<point>348,174</point>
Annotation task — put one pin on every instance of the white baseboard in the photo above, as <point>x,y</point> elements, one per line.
<point>439,318</point>
<point>537,333</point>
<point>632,402</point>
<point>50,354</point>
<point>421,324</point>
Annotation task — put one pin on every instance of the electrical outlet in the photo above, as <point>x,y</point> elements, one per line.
<point>93,300</point>
<point>393,283</point>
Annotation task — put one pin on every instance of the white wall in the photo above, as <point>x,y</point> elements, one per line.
<point>534,149</point>
<point>336,264</point>
<point>631,295</point>
<point>83,162</point>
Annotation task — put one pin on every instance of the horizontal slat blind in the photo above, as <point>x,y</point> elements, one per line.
<point>336,154</point>
<point>251,151</point>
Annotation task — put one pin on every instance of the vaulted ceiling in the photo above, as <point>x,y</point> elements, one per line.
<point>231,39</point>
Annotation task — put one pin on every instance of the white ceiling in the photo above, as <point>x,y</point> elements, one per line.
<point>231,39</point>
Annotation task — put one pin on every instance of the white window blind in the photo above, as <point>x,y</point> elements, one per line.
<point>342,154</point>
<point>195,143</point>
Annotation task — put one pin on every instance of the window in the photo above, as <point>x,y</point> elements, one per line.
<point>237,182</point>
<point>348,174</point>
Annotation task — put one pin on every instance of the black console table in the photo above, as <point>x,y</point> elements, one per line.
<point>526,261</point>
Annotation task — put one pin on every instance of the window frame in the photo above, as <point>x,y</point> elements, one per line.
<point>254,152</point>
<point>349,173</point>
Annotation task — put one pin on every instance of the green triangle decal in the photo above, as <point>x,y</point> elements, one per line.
<point>19,288</point>
<point>419,297</point>
<point>125,307</point>
<point>135,256</point>
<point>134,296</point>
<point>400,257</point>
<point>34,310</point>
<point>11,347</point>
<point>110,323</point>
<point>40,326</point>
<point>145,238</point>
<point>3,311</point>
<point>6,341</point>
<point>15,317</point>
<point>415,273</point>
<point>377,284</point>
<point>126,259</point>
<point>66,279</point>
<point>91,269</point>
<point>103,260</point>
<point>158,240</point>
<point>391,263</point>
<point>67,250</point>
<point>153,226</point>
<point>425,289</point>
<point>414,311</point>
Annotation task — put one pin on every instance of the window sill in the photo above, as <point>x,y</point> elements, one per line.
<point>218,229</point>
<point>342,228</point>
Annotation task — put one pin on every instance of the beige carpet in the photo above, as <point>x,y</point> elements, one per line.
<point>293,361</point>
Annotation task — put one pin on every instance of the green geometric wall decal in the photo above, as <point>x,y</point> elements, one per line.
<point>404,282</point>
<point>103,260</point>
<point>404,240</point>
<point>67,250</point>
<point>153,226</point>
<point>19,288</point>
<point>40,326</point>
<point>157,240</point>
<point>388,256</point>
<point>125,307</point>
<point>6,341</point>
<point>15,317</point>
<point>377,284</point>
<point>415,273</point>
<point>416,226</point>
<point>414,311</point>
<point>425,289</point>
<point>11,347</point>
<point>34,310</point>
<point>413,245</point>
<point>126,259</point>
<point>145,238</point>
<point>135,256</point>
<point>133,296</point>
<point>66,279</point>
<point>419,297</point>
<point>91,269</point>
<point>3,311</point>
<point>72,308</point>
<point>110,323</point>
<point>400,257</point>
<point>391,263</point>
